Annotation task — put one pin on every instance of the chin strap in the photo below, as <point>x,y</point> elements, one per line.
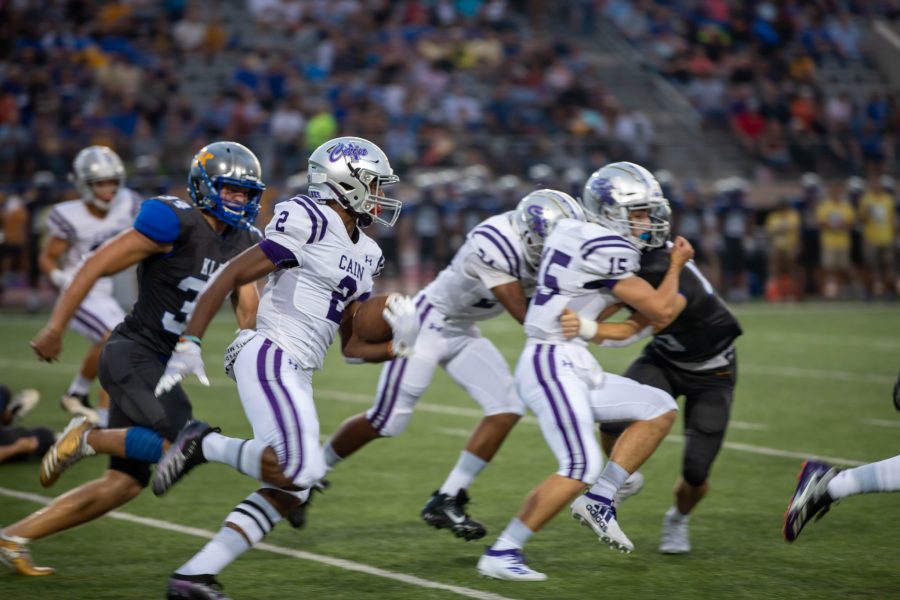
<point>104,206</point>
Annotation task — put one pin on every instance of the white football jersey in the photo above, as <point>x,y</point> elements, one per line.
<point>492,255</point>
<point>323,271</point>
<point>73,222</point>
<point>580,264</point>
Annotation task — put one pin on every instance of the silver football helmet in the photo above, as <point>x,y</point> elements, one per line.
<point>537,214</point>
<point>612,192</point>
<point>93,164</point>
<point>353,171</point>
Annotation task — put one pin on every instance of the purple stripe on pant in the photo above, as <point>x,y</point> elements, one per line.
<point>287,396</point>
<point>577,468</point>
<point>99,333</point>
<point>547,392</point>
<point>273,401</point>
<point>384,411</point>
<point>89,316</point>
<point>382,398</point>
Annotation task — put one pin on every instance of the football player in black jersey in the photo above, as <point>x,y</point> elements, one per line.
<point>178,247</point>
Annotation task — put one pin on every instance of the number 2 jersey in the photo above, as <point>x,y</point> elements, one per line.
<point>321,271</point>
<point>168,284</point>
<point>492,255</point>
<point>580,265</point>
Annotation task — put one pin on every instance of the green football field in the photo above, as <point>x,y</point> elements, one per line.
<point>813,380</point>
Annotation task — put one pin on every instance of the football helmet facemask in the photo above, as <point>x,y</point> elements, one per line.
<point>94,164</point>
<point>537,214</point>
<point>614,191</point>
<point>353,172</point>
<point>222,163</point>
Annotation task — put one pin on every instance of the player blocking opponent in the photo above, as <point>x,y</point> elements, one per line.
<point>585,268</point>
<point>76,228</point>
<point>320,265</point>
<point>491,273</point>
<point>179,247</point>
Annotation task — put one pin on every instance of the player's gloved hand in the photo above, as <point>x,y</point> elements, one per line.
<point>186,359</point>
<point>400,314</point>
<point>59,278</point>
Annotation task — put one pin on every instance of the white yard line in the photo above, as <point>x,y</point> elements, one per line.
<point>340,563</point>
<point>880,422</point>
<point>818,339</point>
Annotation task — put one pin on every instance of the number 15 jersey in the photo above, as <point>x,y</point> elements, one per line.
<point>321,271</point>
<point>580,264</point>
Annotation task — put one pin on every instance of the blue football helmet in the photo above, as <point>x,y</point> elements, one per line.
<point>222,163</point>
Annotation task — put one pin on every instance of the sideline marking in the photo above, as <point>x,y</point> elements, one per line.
<point>340,563</point>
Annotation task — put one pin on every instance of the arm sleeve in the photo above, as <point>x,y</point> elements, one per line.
<point>158,221</point>
<point>58,226</point>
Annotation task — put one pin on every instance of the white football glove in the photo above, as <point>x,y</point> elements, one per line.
<point>60,278</point>
<point>400,313</point>
<point>186,359</point>
<point>231,353</point>
<point>23,403</point>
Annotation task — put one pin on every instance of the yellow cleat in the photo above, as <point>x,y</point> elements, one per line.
<point>70,447</point>
<point>17,557</point>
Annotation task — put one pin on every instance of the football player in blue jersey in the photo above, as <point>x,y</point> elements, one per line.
<point>179,246</point>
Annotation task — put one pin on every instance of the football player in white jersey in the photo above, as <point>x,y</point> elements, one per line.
<point>75,229</point>
<point>491,273</point>
<point>319,265</point>
<point>587,267</point>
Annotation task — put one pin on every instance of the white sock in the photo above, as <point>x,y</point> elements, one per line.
<point>331,457</point>
<point>611,479</point>
<point>255,516</point>
<point>243,455</point>
<point>674,514</point>
<point>881,476</point>
<point>516,535</point>
<point>463,474</point>
<point>79,385</point>
<point>102,417</point>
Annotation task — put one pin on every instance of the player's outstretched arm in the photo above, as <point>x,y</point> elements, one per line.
<point>126,249</point>
<point>48,261</point>
<point>512,297</point>
<point>660,305</point>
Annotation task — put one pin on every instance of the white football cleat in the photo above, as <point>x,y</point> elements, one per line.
<point>598,514</point>
<point>23,403</point>
<point>675,534</point>
<point>509,565</point>
<point>632,485</point>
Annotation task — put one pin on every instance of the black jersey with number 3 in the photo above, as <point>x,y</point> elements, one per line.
<point>705,328</point>
<point>170,283</point>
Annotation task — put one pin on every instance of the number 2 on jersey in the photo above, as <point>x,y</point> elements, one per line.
<point>346,288</point>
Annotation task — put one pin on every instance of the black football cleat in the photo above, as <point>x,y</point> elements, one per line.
<point>185,453</point>
<point>194,587</point>
<point>443,511</point>
<point>297,516</point>
<point>810,499</point>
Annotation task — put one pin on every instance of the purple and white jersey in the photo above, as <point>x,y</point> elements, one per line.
<point>73,222</point>
<point>321,271</point>
<point>580,264</point>
<point>492,255</point>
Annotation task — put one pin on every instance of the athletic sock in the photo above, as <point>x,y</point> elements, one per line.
<point>611,479</point>
<point>463,474</point>
<point>243,455</point>
<point>80,386</point>
<point>515,536</point>
<point>331,457</point>
<point>881,476</point>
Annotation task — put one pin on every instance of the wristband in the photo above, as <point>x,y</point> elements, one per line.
<point>57,278</point>
<point>191,338</point>
<point>587,328</point>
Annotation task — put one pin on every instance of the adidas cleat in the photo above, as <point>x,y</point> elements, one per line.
<point>185,453</point>
<point>443,511</point>
<point>194,587</point>
<point>810,499</point>
<point>509,565</point>
<point>69,448</point>
<point>16,556</point>
<point>599,514</point>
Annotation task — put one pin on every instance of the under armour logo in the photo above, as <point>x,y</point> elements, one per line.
<point>435,327</point>
<point>567,363</point>
<point>368,260</point>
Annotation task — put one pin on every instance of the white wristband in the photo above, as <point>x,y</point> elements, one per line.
<point>58,278</point>
<point>587,328</point>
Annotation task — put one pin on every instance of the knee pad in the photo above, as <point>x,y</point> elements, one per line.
<point>700,451</point>
<point>143,444</point>
<point>396,423</point>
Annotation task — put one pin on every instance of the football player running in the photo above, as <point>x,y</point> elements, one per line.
<point>585,268</point>
<point>75,229</point>
<point>320,266</point>
<point>693,356</point>
<point>179,247</point>
<point>493,272</point>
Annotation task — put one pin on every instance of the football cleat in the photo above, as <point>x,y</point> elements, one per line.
<point>16,556</point>
<point>599,514</point>
<point>631,487</point>
<point>185,453</point>
<point>509,565</point>
<point>443,511</point>
<point>194,587</point>
<point>675,533</point>
<point>78,405</point>
<point>70,447</point>
<point>23,403</point>
<point>297,516</point>
<point>810,499</point>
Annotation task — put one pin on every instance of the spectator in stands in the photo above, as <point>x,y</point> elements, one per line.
<point>835,217</point>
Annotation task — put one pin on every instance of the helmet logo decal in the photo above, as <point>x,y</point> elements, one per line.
<point>603,188</point>
<point>351,150</point>
<point>202,158</point>
<point>536,221</point>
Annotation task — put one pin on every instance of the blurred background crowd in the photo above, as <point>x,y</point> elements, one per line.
<point>773,126</point>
